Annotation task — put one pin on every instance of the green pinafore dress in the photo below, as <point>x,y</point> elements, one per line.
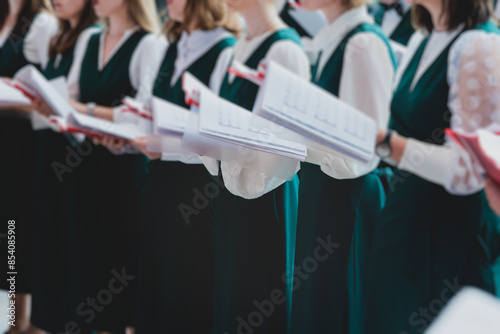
<point>106,203</point>
<point>253,238</point>
<point>17,148</point>
<point>51,288</point>
<point>403,31</point>
<point>175,281</point>
<point>428,243</point>
<point>334,229</point>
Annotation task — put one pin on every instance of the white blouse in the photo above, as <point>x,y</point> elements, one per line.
<point>365,83</point>
<point>143,65</point>
<point>241,181</point>
<point>474,100</point>
<point>37,40</point>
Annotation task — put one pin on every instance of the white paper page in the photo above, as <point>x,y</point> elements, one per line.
<point>490,143</point>
<point>311,22</point>
<point>169,117</point>
<point>9,96</point>
<point>470,311</point>
<point>308,110</point>
<point>39,121</point>
<point>226,120</point>
<point>270,164</point>
<point>32,78</point>
<point>121,130</point>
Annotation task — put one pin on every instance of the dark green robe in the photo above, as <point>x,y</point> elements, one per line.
<point>335,224</point>
<point>253,238</point>
<point>176,273</point>
<point>427,243</point>
<point>106,203</point>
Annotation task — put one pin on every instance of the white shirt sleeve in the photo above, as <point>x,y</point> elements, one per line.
<point>248,183</point>
<point>473,76</point>
<point>73,80</point>
<point>38,38</point>
<point>365,84</point>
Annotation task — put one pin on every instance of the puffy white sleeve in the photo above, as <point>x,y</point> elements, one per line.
<point>248,183</point>
<point>38,38</point>
<point>365,84</point>
<point>474,101</point>
<point>73,80</point>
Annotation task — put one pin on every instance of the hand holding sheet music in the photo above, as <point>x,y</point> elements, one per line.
<point>310,111</point>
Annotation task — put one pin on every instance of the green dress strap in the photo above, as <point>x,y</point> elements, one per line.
<point>202,68</point>
<point>404,30</point>
<point>244,92</point>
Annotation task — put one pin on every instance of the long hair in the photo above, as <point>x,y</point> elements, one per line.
<point>209,14</point>
<point>469,12</point>
<point>144,13</point>
<point>29,10</point>
<point>68,36</point>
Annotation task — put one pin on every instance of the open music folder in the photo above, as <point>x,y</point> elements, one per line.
<point>11,96</point>
<point>222,130</point>
<point>483,146</point>
<point>308,110</point>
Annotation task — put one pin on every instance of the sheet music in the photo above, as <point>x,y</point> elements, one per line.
<point>32,78</point>
<point>9,96</point>
<point>127,131</point>
<point>310,111</point>
<point>168,117</point>
<point>470,311</point>
<point>225,120</point>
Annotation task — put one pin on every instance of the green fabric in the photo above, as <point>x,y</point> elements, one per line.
<point>12,57</point>
<point>426,240</point>
<point>176,273</point>
<point>62,69</point>
<point>404,30</point>
<point>243,92</point>
<point>105,182</point>
<point>341,212</point>
<point>254,238</point>
<point>202,69</point>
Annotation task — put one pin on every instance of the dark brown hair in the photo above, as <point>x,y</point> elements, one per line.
<point>28,12</point>
<point>67,37</point>
<point>209,14</point>
<point>456,12</point>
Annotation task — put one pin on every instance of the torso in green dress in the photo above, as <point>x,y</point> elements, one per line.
<point>254,238</point>
<point>177,250</point>
<point>107,196</point>
<point>427,241</point>
<point>341,212</point>
<point>51,221</point>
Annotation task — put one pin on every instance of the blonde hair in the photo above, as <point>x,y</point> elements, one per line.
<point>354,3</point>
<point>144,14</point>
<point>209,14</point>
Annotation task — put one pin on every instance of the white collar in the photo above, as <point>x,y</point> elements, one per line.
<point>124,38</point>
<point>438,41</point>
<point>341,26</point>
<point>192,46</point>
<point>245,48</point>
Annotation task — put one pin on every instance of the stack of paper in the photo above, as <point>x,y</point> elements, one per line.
<point>96,127</point>
<point>12,97</point>
<point>30,77</point>
<point>304,108</point>
<point>169,118</point>
<point>483,146</point>
<point>222,130</point>
<point>470,311</point>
